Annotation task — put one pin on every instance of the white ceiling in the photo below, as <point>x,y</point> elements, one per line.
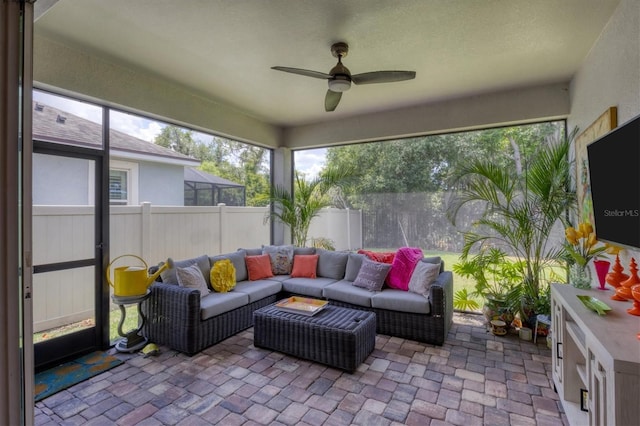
<point>224,49</point>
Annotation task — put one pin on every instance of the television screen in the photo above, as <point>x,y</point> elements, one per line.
<point>614,171</point>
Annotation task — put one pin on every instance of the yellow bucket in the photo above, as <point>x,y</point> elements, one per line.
<point>129,280</point>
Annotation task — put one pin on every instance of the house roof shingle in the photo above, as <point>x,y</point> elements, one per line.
<point>54,125</point>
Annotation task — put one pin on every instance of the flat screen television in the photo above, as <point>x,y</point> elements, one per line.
<point>614,172</point>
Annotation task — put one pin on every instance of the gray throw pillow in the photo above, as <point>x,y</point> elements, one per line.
<point>332,264</point>
<point>191,277</point>
<point>422,277</point>
<point>237,258</point>
<point>371,275</point>
<point>434,259</point>
<point>353,266</point>
<point>169,275</point>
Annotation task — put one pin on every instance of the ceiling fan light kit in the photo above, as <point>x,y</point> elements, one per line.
<point>340,78</point>
<point>339,84</point>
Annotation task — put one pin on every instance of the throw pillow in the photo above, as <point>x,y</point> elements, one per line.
<point>423,276</point>
<point>281,258</point>
<point>402,267</point>
<point>258,267</point>
<point>353,266</point>
<point>332,264</point>
<point>237,259</point>
<point>371,275</point>
<point>191,277</point>
<point>169,275</point>
<point>223,276</point>
<point>379,256</point>
<point>304,265</point>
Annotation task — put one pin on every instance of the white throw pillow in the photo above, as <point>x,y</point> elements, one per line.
<point>422,277</point>
<point>191,277</point>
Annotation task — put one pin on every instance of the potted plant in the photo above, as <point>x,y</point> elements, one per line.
<point>297,208</point>
<point>581,247</point>
<point>495,277</point>
<point>520,211</point>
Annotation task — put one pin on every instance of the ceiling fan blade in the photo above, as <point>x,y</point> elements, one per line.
<point>307,73</point>
<point>331,100</point>
<point>382,77</point>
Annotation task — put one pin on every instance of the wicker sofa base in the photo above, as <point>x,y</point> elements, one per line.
<point>338,337</point>
<point>431,329</point>
<point>180,327</point>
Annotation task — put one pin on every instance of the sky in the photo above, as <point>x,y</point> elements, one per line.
<point>310,162</point>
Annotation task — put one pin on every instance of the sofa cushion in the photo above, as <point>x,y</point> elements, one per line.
<point>307,286</point>
<point>331,264</point>
<point>402,267</point>
<point>223,276</point>
<point>258,267</point>
<point>304,250</point>
<point>279,278</point>
<point>191,277</point>
<point>237,258</point>
<point>252,251</point>
<point>372,275</point>
<point>304,265</point>
<point>169,275</point>
<point>345,291</point>
<point>423,276</point>
<point>259,289</point>
<point>354,263</point>
<point>219,303</point>
<point>281,258</point>
<point>403,301</point>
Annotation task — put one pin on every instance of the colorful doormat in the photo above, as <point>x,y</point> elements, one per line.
<point>66,375</point>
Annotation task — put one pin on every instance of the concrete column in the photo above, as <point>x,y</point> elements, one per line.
<point>282,175</point>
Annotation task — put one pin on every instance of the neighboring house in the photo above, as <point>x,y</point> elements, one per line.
<point>139,170</point>
<point>204,189</point>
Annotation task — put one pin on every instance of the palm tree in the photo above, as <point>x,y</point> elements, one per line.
<point>297,209</point>
<point>520,212</point>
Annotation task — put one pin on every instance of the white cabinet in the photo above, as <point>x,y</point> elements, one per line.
<point>595,359</point>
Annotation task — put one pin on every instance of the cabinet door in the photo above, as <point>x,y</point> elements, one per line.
<point>557,338</point>
<point>597,393</point>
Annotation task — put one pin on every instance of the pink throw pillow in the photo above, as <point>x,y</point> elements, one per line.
<point>402,267</point>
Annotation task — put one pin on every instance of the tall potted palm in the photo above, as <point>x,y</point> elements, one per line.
<point>519,213</point>
<point>297,208</point>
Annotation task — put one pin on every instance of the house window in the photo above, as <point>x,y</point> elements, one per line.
<point>123,183</point>
<point>118,180</point>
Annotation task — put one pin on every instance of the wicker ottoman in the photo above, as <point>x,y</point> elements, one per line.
<point>339,337</point>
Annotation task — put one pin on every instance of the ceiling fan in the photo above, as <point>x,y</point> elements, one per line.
<point>340,78</point>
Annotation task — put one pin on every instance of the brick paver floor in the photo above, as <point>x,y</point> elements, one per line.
<point>475,378</point>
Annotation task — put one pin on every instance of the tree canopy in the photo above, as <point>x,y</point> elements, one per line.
<point>232,160</point>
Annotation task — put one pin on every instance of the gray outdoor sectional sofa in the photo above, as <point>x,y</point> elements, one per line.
<point>181,319</point>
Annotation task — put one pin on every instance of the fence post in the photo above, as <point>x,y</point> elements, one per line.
<point>222,224</point>
<point>145,229</point>
<point>348,229</point>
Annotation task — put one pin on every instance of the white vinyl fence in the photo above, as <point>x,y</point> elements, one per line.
<point>154,233</point>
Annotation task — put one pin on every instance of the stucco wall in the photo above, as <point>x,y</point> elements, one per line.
<point>610,76</point>
<point>161,184</point>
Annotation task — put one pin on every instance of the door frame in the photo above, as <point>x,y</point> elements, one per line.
<point>66,347</point>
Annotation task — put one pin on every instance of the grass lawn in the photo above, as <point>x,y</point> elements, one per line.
<point>130,323</point>
<point>458,282</point>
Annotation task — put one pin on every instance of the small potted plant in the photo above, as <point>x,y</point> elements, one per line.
<point>581,247</point>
